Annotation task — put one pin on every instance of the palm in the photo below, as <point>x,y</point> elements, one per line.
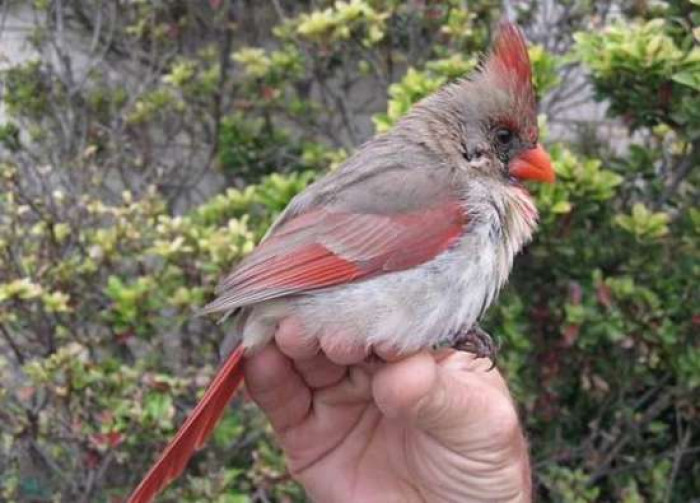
<point>363,433</point>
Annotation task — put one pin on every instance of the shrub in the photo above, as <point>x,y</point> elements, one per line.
<point>132,181</point>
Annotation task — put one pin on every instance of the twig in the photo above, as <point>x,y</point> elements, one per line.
<point>96,476</point>
<point>681,171</point>
<point>278,9</point>
<point>13,345</point>
<point>653,411</point>
<point>680,451</point>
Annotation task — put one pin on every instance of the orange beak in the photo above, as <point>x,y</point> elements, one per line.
<point>533,164</point>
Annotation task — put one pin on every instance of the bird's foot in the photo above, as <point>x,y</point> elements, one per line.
<point>477,341</point>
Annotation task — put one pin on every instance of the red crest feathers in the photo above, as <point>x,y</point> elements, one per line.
<point>509,55</point>
<point>508,66</point>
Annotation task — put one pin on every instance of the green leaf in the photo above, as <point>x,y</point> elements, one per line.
<point>561,207</point>
<point>687,78</point>
<point>159,408</point>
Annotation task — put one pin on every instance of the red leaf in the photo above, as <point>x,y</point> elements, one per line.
<point>123,337</point>
<point>91,459</point>
<point>434,13</point>
<point>106,417</point>
<point>151,380</point>
<point>575,293</point>
<point>25,393</point>
<point>604,294</point>
<point>173,30</point>
<point>541,313</point>
<point>570,334</point>
<point>111,439</point>
<point>269,93</point>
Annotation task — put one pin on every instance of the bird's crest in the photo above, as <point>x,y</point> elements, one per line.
<point>508,67</point>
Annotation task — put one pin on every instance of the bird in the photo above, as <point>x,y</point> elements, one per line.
<point>402,248</point>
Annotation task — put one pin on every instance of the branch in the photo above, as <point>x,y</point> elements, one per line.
<point>13,345</point>
<point>681,171</point>
<point>680,451</point>
<point>652,412</point>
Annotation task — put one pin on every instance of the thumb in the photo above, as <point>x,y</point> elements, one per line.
<point>401,388</point>
<point>443,393</point>
<point>454,400</point>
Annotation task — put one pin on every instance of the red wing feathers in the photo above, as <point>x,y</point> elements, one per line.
<point>323,248</point>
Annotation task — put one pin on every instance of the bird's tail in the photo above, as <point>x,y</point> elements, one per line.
<point>194,432</point>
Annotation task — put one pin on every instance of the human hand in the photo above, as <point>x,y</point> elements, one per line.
<point>431,427</point>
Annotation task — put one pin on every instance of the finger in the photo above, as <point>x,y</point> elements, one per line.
<point>277,388</point>
<point>342,347</point>
<point>340,417</point>
<point>319,372</point>
<point>355,388</point>
<point>387,352</point>
<point>292,340</point>
<point>314,367</point>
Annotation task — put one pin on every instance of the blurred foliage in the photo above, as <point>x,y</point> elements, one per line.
<point>645,58</point>
<point>115,224</point>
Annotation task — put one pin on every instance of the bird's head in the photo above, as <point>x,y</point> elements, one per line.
<point>492,115</point>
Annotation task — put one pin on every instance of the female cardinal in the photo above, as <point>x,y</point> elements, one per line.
<point>403,247</point>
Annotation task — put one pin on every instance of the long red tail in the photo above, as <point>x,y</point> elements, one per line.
<point>194,432</point>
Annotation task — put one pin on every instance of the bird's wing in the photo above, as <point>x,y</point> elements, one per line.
<point>325,247</point>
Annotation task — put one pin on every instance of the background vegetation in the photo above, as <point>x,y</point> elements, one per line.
<point>145,147</point>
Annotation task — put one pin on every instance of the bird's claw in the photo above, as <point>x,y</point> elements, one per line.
<point>477,341</point>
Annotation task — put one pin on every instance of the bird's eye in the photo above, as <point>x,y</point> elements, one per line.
<point>504,136</point>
